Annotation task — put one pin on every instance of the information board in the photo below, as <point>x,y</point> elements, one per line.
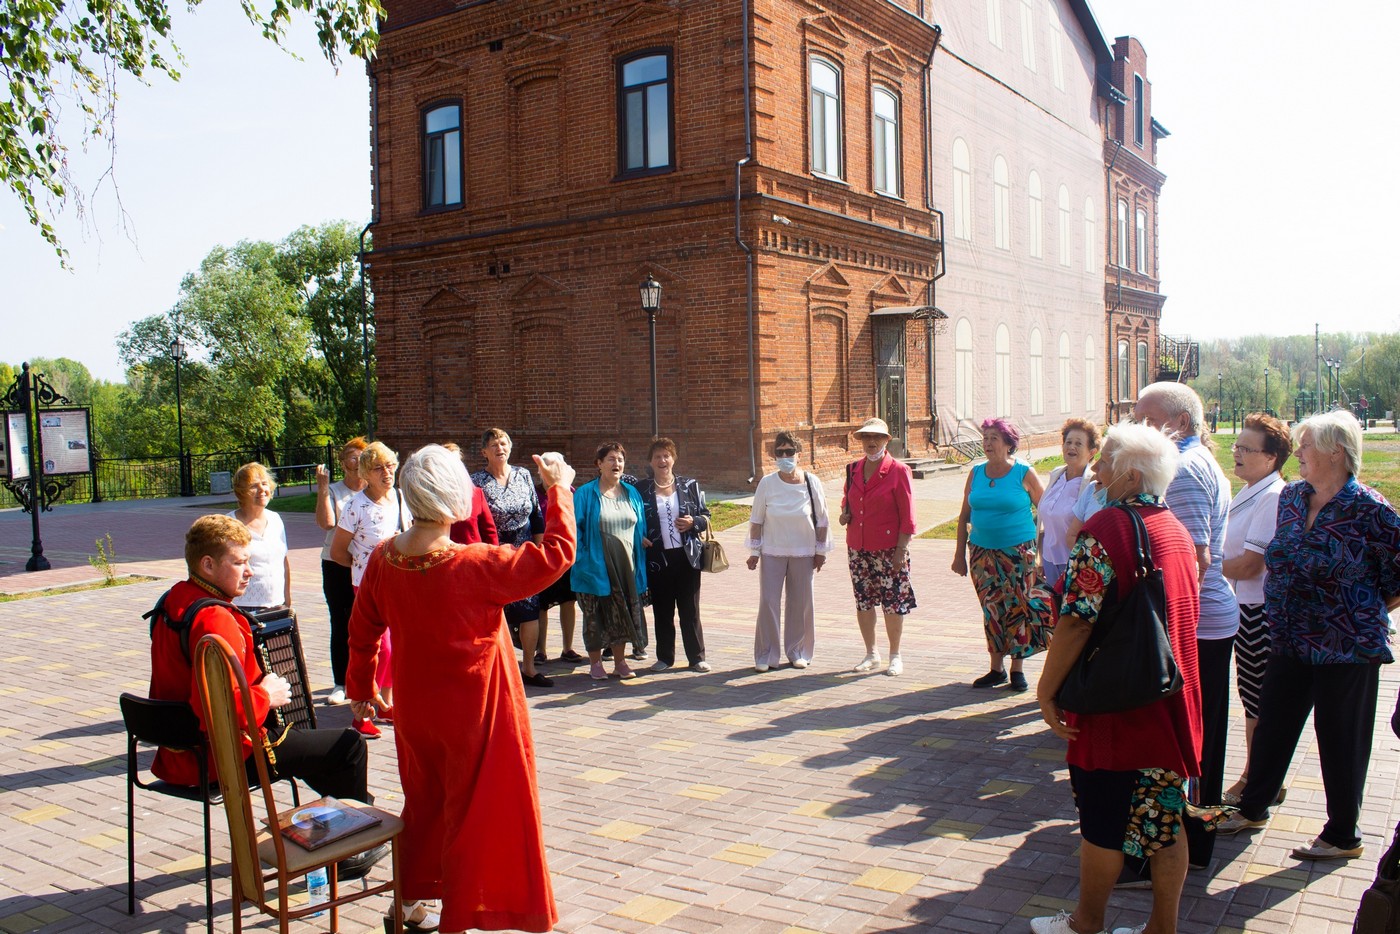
<point>16,448</point>
<point>65,441</point>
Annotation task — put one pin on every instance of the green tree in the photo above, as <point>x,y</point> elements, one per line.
<point>58,57</point>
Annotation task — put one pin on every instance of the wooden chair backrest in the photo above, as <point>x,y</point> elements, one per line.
<point>221,682</point>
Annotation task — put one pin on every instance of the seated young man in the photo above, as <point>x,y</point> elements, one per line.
<point>333,762</point>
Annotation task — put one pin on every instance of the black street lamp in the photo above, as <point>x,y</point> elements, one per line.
<point>1219,398</point>
<point>177,353</point>
<point>1266,392</point>
<point>651,304</point>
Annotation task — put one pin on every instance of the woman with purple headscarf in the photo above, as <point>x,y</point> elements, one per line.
<point>996,543</point>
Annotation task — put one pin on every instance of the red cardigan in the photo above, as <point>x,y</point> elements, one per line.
<point>882,509</point>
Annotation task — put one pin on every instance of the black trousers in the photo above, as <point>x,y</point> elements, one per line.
<point>675,585</point>
<point>1213,660</point>
<point>340,600</point>
<point>1342,700</point>
<point>332,762</point>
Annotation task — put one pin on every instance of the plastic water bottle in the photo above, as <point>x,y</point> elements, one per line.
<point>318,888</point>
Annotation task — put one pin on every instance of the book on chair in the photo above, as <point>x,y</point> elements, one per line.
<point>324,821</point>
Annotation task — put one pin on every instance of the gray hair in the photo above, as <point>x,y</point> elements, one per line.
<point>1144,449</point>
<point>1177,398</point>
<point>1333,431</point>
<point>436,485</point>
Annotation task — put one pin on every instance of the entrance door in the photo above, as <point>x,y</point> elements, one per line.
<point>890,379</point>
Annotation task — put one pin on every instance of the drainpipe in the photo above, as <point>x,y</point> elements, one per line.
<point>749,259</point>
<point>931,290</point>
<point>1110,224</point>
<point>374,219</point>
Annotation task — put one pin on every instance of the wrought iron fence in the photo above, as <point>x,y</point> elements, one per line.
<point>157,477</point>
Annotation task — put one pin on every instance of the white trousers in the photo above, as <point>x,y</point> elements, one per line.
<point>799,626</point>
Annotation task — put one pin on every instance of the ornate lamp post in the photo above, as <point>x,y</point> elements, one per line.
<point>651,304</point>
<point>178,354</point>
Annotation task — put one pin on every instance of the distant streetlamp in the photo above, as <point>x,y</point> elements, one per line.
<point>651,304</point>
<point>1219,398</point>
<point>1266,392</point>
<point>177,353</point>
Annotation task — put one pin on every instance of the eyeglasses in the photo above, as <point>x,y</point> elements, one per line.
<point>1241,449</point>
<point>787,452</point>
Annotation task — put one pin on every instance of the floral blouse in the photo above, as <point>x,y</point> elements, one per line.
<point>515,507</point>
<point>1090,570</point>
<point>1327,587</point>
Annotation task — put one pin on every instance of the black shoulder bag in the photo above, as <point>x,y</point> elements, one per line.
<point>1128,660</point>
<point>1380,904</point>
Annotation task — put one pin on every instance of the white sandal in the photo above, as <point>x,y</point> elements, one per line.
<point>420,916</point>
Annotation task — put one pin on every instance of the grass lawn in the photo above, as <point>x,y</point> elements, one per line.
<point>725,515</point>
<point>118,581</point>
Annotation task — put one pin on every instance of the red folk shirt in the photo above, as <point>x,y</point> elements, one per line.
<point>172,677</point>
<point>882,508</point>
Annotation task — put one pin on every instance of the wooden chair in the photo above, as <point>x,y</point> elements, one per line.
<point>171,724</point>
<point>221,680</point>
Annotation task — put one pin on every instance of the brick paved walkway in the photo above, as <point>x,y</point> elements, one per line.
<point>786,802</point>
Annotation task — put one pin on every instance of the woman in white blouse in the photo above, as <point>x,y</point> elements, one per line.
<point>1079,442</point>
<point>267,553</point>
<point>788,533</point>
<point>1260,450</point>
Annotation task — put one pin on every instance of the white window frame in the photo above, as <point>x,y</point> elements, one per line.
<point>1064,372</point>
<point>965,370</point>
<point>1003,372</point>
<point>1123,233</point>
<point>1001,202</point>
<point>1056,38</point>
<point>962,190</point>
<point>1091,238</point>
<point>885,141</point>
<point>1142,242</point>
<point>1063,228</point>
<point>994,23</point>
<point>1144,373</point>
<point>1037,374</point>
<point>1139,109</point>
<point>1036,221</point>
<point>1027,35</point>
<point>1125,372</point>
<point>825,124</point>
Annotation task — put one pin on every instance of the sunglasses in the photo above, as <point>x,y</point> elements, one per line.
<point>787,452</point>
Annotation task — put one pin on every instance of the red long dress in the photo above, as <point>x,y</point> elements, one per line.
<point>472,833</point>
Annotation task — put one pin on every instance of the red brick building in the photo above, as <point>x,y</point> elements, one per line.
<point>773,164</point>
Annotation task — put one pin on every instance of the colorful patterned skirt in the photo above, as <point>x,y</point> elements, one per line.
<point>1016,604</point>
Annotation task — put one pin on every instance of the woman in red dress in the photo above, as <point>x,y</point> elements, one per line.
<point>472,833</point>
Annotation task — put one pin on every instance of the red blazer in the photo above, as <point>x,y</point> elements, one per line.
<point>480,526</point>
<point>882,509</point>
<point>172,678</point>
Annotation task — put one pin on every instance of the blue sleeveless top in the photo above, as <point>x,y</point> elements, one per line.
<point>1001,514</point>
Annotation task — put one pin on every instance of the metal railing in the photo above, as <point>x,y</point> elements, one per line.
<point>116,478</point>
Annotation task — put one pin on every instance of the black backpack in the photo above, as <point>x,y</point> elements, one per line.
<point>1379,912</point>
<point>183,624</point>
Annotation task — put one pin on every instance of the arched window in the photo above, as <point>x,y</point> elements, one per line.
<point>965,370</point>
<point>884,141</point>
<point>962,190</point>
<point>1003,393</point>
<point>1064,372</point>
<point>1125,373</point>
<point>1037,357</point>
<point>1142,242</point>
<point>1092,247</point>
<point>826,118</point>
<point>1089,368</point>
<point>1001,202</point>
<point>1063,229</point>
<point>1144,375</point>
<point>1123,233</point>
<point>1037,216</point>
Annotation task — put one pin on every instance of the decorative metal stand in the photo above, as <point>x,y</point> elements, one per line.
<point>37,492</point>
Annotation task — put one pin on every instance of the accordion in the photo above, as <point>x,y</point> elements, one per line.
<point>278,641</point>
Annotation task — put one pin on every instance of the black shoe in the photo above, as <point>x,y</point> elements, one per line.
<point>1018,682</point>
<point>638,655</point>
<point>990,680</point>
<point>607,653</point>
<point>358,866</point>
<point>537,680</point>
<point>541,658</point>
<point>1133,878</point>
<point>572,657</point>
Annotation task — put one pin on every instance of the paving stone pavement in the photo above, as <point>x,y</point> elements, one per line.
<point>792,801</point>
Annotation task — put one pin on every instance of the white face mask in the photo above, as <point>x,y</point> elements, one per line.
<point>787,464</point>
<point>878,455</point>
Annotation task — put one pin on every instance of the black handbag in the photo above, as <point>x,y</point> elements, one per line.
<point>1380,904</point>
<point>1127,662</point>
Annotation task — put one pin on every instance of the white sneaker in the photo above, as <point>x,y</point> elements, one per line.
<point>760,668</point>
<point>1138,929</point>
<point>800,663</point>
<point>869,663</point>
<point>1059,924</point>
<point>337,696</point>
<point>896,667</point>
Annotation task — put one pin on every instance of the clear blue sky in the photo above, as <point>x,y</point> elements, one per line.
<point>1276,213</point>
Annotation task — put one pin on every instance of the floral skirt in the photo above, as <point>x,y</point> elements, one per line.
<point>877,582</point>
<point>1016,604</point>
